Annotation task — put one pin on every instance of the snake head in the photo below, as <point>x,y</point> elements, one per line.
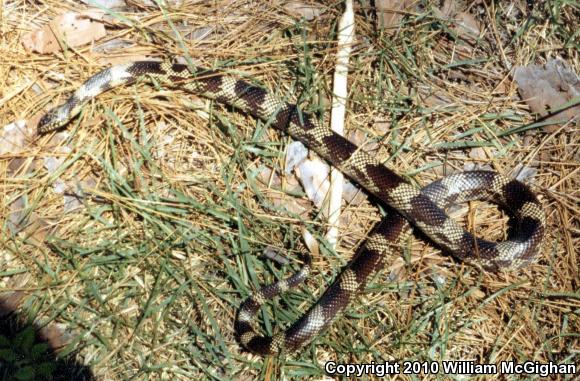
<point>53,120</point>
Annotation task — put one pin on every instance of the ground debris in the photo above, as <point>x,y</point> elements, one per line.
<point>547,89</point>
<point>69,29</point>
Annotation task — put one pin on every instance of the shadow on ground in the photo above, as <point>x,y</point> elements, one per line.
<point>29,352</point>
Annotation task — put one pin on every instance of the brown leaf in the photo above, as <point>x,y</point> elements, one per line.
<point>16,218</point>
<point>435,99</point>
<point>72,29</point>
<point>390,12</point>
<point>449,8</point>
<point>467,25</point>
<point>462,23</point>
<point>309,11</point>
<point>547,89</point>
<point>13,138</point>
<point>37,229</point>
<point>477,153</point>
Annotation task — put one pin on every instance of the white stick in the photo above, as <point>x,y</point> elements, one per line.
<point>340,93</point>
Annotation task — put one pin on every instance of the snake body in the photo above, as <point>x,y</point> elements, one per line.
<point>408,206</point>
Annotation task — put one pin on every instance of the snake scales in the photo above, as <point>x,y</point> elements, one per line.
<point>422,208</point>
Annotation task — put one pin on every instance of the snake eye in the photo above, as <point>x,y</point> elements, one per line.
<point>44,122</point>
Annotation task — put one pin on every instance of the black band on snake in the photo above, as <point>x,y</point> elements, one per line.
<point>421,208</point>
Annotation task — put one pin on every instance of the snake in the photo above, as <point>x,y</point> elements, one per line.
<point>408,206</point>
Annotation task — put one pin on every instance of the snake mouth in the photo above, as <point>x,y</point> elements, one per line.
<point>52,120</point>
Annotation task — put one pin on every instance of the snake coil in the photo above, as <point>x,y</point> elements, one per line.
<point>421,208</point>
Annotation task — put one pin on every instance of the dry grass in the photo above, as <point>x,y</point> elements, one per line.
<point>150,269</point>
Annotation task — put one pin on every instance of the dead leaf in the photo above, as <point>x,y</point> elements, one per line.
<point>16,218</point>
<point>293,205</point>
<point>13,137</point>
<point>275,255</point>
<point>437,98</point>
<point>72,29</point>
<point>37,229</point>
<point>467,24</point>
<point>309,11</point>
<point>17,165</point>
<point>449,8</point>
<point>391,12</point>
<point>547,89</point>
<point>462,23</point>
<point>352,194</point>
<point>382,126</point>
<point>523,172</point>
<point>478,153</point>
<point>34,227</point>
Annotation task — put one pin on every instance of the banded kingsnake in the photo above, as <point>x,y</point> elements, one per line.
<point>421,208</point>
